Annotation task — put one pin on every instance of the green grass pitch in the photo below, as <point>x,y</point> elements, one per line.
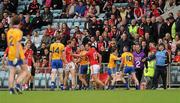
<point>116,96</point>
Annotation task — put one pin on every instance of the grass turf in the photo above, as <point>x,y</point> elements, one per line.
<point>116,96</point>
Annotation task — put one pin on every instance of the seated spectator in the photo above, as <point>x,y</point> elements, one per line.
<point>80,9</point>
<point>65,33</point>
<point>42,48</point>
<point>155,11</point>
<point>46,39</point>
<point>77,31</point>
<point>70,11</point>
<point>37,21</point>
<point>6,19</point>
<point>3,42</point>
<point>138,12</point>
<point>47,16</point>
<point>36,39</point>
<point>9,6</point>
<point>48,3</point>
<point>33,7</point>
<point>1,28</point>
<point>50,31</point>
<point>177,57</point>
<point>170,4</point>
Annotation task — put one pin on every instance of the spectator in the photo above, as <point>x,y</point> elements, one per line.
<point>37,21</point>
<point>48,3</point>
<point>6,19</point>
<point>101,43</point>
<point>46,39</point>
<point>42,48</point>
<point>155,11</point>
<point>47,16</point>
<point>105,54</point>
<point>178,22</point>
<point>138,12</point>
<point>1,28</point>
<point>65,33</point>
<point>124,41</point>
<point>50,31</point>
<point>177,57</point>
<point>133,28</point>
<point>36,39</point>
<point>1,9</point>
<point>33,7</point>
<point>161,27</point>
<point>9,6</point>
<point>70,11</point>
<point>170,4</point>
<point>3,42</point>
<point>80,9</point>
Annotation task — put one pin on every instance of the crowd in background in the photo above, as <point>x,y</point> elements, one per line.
<point>138,22</point>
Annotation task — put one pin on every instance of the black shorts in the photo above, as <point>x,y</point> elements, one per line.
<point>33,71</point>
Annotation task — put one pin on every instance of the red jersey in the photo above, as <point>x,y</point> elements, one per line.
<point>92,54</point>
<point>68,51</point>
<point>29,56</point>
<point>177,58</point>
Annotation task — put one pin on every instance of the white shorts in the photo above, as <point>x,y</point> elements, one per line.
<point>70,66</point>
<point>29,68</point>
<point>95,69</point>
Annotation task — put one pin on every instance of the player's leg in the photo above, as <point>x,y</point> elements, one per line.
<point>135,80</point>
<point>53,76</point>
<point>12,73</point>
<point>22,76</point>
<point>126,83</point>
<point>73,74</point>
<point>114,70</point>
<point>82,74</point>
<point>95,73</point>
<point>60,72</point>
<point>66,75</point>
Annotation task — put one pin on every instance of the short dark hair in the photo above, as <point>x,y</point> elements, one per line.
<point>15,20</point>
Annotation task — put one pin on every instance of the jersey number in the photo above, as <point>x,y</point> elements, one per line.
<point>129,58</point>
<point>95,56</point>
<point>11,39</point>
<point>56,50</point>
<point>138,64</point>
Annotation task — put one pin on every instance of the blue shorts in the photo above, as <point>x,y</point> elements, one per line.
<point>129,70</point>
<point>56,64</point>
<point>19,62</point>
<point>112,71</point>
<point>83,69</point>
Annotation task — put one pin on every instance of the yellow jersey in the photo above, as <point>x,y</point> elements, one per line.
<point>14,35</point>
<point>84,59</point>
<point>127,59</point>
<point>56,50</point>
<point>112,62</point>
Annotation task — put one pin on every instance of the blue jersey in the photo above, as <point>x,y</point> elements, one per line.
<point>161,58</point>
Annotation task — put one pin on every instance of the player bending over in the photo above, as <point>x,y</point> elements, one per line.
<point>56,58</point>
<point>127,62</point>
<point>15,56</point>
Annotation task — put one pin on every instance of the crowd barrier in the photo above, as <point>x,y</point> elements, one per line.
<point>42,76</point>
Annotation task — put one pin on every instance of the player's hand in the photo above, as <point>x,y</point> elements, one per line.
<point>143,60</point>
<point>15,61</point>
